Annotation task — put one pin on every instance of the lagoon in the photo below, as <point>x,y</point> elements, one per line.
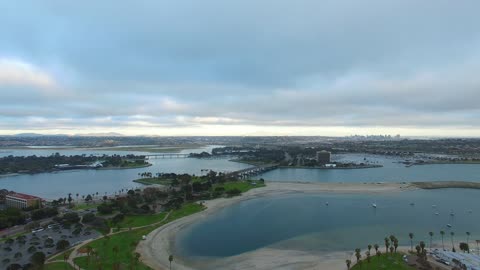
<point>304,222</point>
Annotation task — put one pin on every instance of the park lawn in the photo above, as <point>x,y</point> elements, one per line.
<point>59,257</point>
<point>83,206</point>
<point>127,242</point>
<point>140,220</point>
<point>243,186</point>
<point>58,266</point>
<point>384,261</point>
<point>153,180</point>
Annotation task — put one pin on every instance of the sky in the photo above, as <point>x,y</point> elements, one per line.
<point>249,67</point>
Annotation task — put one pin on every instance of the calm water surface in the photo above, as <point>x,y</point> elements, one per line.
<point>59,184</point>
<point>392,171</point>
<point>304,222</point>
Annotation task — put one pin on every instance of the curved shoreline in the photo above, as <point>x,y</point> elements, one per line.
<point>159,244</point>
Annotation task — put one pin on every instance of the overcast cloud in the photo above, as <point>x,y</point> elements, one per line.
<point>247,67</point>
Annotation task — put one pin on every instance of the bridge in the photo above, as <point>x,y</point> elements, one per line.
<point>252,171</point>
<point>166,155</point>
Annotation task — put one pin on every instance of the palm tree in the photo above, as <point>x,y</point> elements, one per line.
<point>367,253</point>
<point>348,262</point>
<point>422,245</point>
<point>451,236</point>
<point>395,244</point>
<point>442,233</point>
<point>468,237</point>
<point>410,235</point>
<point>369,247</point>
<point>358,255</point>
<point>77,196</point>
<point>376,246</point>
<point>431,235</point>
<point>387,244</point>
<point>170,259</point>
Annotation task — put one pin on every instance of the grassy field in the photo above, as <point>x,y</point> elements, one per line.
<point>140,220</point>
<point>59,257</point>
<point>243,186</point>
<point>385,261</point>
<point>83,206</point>
<point>127,241</point>
<point>153,180</point>
<point>58,266</point>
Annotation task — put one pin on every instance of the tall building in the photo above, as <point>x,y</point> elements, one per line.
<point>323,157</point>
<point>20,200</point>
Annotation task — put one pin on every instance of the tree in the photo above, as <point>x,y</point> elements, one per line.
<point>62,244</point>
<point>358,255</point>
<point>369,247</point>
<point>88,198</point>
<point>170,259</point>
<point>70,199</point>
<point>442,233</point>
<point>395,244</point>
<point>431,236</point>
<point>349,263</point>
<point>38,260</point>
<point>422,245</point>
<point>451,236</point>
<point>387,244</point>
<point>376,246</point>
<point>418,248</point>
<point>468,237</point>
<point>410,235</point>
<point>464,247</point>
<point>367,253</point>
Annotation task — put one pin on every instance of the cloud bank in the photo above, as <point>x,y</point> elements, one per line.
<point>240,68</point>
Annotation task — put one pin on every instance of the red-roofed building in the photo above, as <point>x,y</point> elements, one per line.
<point>20,200</point>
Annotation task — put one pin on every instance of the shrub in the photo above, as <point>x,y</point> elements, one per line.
<point>87,218</point>
<point>62,244</point>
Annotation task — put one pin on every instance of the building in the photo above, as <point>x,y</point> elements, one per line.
<point>20,200</point>
<point>323,157</point>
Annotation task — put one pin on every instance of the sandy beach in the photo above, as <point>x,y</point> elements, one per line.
<point>158,246</point>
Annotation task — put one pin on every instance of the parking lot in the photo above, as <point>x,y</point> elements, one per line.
<point>20,249</point>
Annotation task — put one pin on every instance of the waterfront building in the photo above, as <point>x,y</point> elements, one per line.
<point>323,157</point>
<point>20,200</point>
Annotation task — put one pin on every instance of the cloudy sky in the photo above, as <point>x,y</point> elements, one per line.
<point>248,67</point>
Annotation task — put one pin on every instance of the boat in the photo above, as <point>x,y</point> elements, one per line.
<point>434,205</point>
<point>326,203</point>
<point>436,213</point>
<point>452,213</point>
<point>374,205</point>
<point>449,225</point>
<point>412,203</point>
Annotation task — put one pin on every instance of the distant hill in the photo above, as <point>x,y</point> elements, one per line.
<point>107,134</point>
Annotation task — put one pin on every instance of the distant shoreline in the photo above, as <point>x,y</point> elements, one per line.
<point>57,170</point>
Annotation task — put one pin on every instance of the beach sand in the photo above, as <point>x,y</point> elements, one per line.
<point>159,243</point>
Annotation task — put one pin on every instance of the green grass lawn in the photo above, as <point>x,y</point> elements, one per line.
<point>127,241</point>
<point>140,220</point>
<point>58,266</point>
<point>153,180</point>
<point>83,206</point>
<point>243,186</point>
<point>385,261</point>
<point>59,257</point>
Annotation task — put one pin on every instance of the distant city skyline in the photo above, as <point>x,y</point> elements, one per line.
<point>242,68</point>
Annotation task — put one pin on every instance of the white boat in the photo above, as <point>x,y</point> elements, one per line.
<point>452,214</point>
<point>449,225</point>
<point>436,213</point>
<point>374,205</point>
<point>434,205</point>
